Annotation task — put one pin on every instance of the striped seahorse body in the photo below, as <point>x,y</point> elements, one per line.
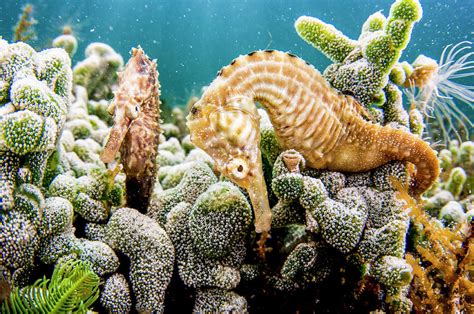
<point>136,129</point>
<point>308,115</point>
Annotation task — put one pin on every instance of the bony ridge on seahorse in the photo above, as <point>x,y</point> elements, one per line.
<point>308,115</point>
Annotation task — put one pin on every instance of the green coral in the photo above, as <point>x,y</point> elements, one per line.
<point>393,106</point>
<point>35,95</point>
<point>80,128</point>
<point>268,143</point>
<point>99,109</point>
<point>451,214</point>
<point>215,300</point>
<point>67,42</point>
<point>325,37</point>
<point>54,68</point>
<point>170,153</point>
<point>362,67</point>
<point>30,201</point>
<point>24,132</point>
<point>170,176</point>
<point>92,194</point>
<point>450,198</point>
<point>341,225</point>
<point>13,57</point>
<point>457,178</point>
<point>433,204</point>
<point>220,218</point>
<point>89,208</point>
<point>308,263</point>
<point>151,255</point>
<point>19,240</point>
<point>209,236</point>
<point>31,94</point>
<point>63,243</point>
<point>355,215</point>
<point>392,271</point>
<point>57,216</point>
<point>193,183</point>
<point>115,296</point>
<point>98,71</point>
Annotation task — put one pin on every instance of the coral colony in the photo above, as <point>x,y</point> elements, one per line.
<point>326,199</point>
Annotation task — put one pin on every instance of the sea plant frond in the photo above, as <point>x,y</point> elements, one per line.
<point>73,288</point>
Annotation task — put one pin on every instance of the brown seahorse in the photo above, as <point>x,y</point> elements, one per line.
<point>308,115</point>
<point>136,129</point>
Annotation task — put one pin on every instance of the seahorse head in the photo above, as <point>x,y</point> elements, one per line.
<point>137,83</point>
<point>227,128</point>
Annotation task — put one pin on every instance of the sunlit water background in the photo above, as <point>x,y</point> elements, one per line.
<point>193,39</point>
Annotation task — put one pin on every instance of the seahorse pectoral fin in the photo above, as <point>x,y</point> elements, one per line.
<point>257,190</point>
<point>117,134</point>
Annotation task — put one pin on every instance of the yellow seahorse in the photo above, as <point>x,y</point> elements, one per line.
<point>308,115</point>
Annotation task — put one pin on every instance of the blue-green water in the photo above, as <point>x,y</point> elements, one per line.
<point>192,39</point>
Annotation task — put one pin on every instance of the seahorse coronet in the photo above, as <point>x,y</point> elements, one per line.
<point>309,115</point>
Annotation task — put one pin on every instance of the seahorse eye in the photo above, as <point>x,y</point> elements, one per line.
<point>238,168</point>
<point>194,110</point>
<point>132,111</point>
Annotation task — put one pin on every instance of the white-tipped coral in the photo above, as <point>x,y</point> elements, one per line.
<point>115,296</point>
<point>215,300</point>
<point>35,96</point>
<point>151,255</point>
<point>68,42</point>
<point>98,71</point>
<point>209,236</point>
<point>193,183</point>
